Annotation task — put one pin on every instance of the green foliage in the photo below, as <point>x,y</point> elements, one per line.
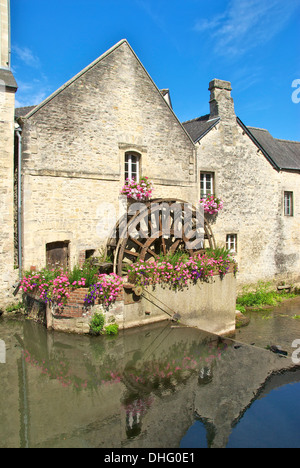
<point>241,308</point>
<point>97,326</point>
<point>219,252</point>
<point>179,268</point>
<point>262,296</point>
<point>176,257</point>
<point>46,274</point>
<point>183,256</point>
<point>112,329</point>
<point>88,272</point>
<point>15,307</point>
<point>97,323</point>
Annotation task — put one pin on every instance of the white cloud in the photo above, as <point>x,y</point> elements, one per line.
<point>246,24</point>
<point>31,99</point>
<point>205,25</point>
<point>31,93</point>
<point>33,86</point>
<point>26,55</point>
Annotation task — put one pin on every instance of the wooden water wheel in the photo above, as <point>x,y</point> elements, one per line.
<point>159,227</point>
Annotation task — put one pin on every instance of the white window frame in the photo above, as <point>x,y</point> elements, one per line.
<point>130,160</point>
<point>231,242</point>
<point>207,178</point>
<point>288,203</point>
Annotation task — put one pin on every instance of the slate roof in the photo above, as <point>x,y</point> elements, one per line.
<point>22,111</point>
<point>198,128</point>
<point>7,78</point>
<point>286,154</point>
<point>282,154</point>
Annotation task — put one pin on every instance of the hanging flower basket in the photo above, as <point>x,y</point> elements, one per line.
<point>138,191</point>
<point>211,204</point>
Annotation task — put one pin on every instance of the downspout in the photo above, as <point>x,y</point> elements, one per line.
<point>19,136</point>
<point>9,35</point>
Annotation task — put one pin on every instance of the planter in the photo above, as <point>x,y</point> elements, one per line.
<point>211,205</point>
<point>208,305</point>
<point>138,191</point>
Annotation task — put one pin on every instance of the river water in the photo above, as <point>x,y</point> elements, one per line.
<point>160,386</point>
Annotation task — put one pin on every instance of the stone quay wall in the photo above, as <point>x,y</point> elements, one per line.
<point>209,306</point>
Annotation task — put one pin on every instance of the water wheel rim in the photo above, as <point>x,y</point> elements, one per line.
<point>140,215</point>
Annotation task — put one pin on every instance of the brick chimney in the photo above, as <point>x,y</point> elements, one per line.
<point>221,102</point>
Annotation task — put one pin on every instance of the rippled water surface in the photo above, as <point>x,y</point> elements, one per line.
<point>278,326</point>
<point>162,386</point>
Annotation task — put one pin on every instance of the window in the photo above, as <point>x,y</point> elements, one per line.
<point>206,184</point>
<point>288,204</point>
<point>132,166</point>
<point>89,253</point>
<point>57,255</point>
<point>231,242</point>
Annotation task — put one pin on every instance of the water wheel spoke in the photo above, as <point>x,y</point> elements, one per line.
<point>164,246</point>
<point>136,241</point>
<point>163,242</point>
<point>175,245</point>
<point>130,252</point>
<point>149,251</point>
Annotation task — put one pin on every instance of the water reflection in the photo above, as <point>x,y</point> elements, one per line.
<point>273,326</point>
<point>144,388</point>
<point>272,421</point>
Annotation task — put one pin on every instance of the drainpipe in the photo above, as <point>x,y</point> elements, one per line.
<point>9,35</point>
<point>19,136</point>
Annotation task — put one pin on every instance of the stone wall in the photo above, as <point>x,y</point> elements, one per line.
<point>8,88</point>
<point>209,306</point>
<point>75,317</point>
<point>287,247</point>
<point>8,275</point>
<point>74,148</point>
<point>4,34</point>
<point>268,245</point>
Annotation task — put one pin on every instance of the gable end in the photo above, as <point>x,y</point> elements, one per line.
<point>267,156</point>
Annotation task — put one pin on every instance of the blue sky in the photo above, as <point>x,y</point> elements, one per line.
<point>183,44</point>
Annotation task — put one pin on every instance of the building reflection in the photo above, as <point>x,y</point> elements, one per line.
<point>144,388</point>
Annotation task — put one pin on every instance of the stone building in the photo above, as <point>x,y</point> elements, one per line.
<point>74,150</point>
<point>8,88</point>
<point>77,145</point>
<point>258,178</point>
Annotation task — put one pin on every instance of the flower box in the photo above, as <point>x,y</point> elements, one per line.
<point>138,191</point>
<point>211,204</point>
